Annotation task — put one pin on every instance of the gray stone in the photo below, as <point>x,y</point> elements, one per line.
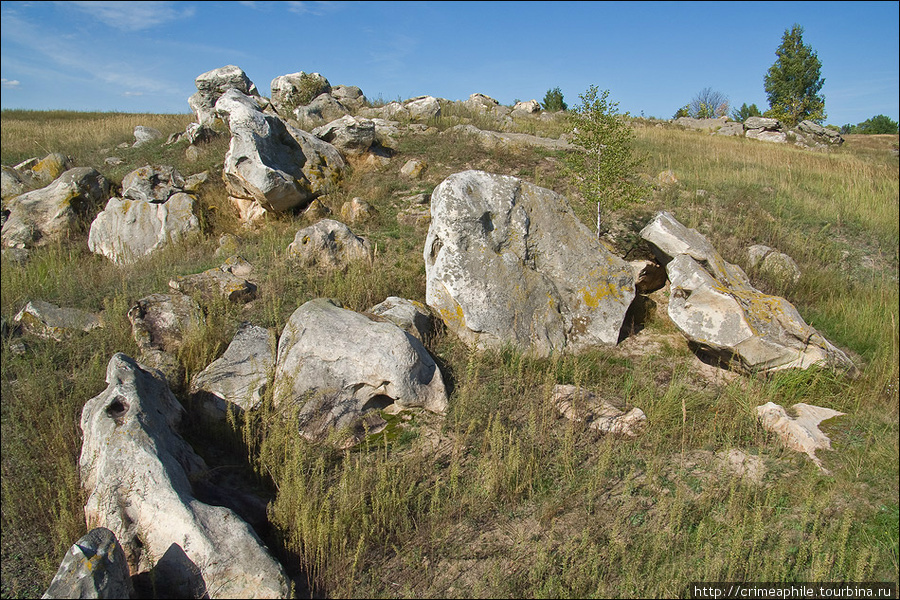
<point>219,282</point>
<point>714,305</point>
<point>238,379</point>
<point>297,89</point>
<point>357,210</point>
<point>54,212</point>
<point>12,183</point>
<point>137,471</point>
<point>524,109</point>
<point>480,103</point>
<point>701,124</point>
<point>152,184</point>
<point>50,167</point>
<point>507,262</point>
<point>819,134</point>
<point>762,123</point>
<point>144,135</point>
<point>271,163</point>
<point>323,109</point>
<point>94,567</point>
<point>763,135</point>
<point>348,134</point>
<point>410,316</point>
<point>777,264</point>
<point>350,96</point>
<point>423,108</point>
<point>339,367</point>
<point>50,321</point>
<point>127,230</point>
<point>330,244</point>
<point>731,129</point>
<point>159,323</point>
<point>413,168</point>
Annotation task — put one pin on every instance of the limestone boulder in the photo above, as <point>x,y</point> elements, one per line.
<point>329,244</point>
<point>323,109</point>
<point>136,471</point>
<point>413,168</point>
<point>210,87</point>
<point>12,183</point>
<point>144,135</point>
<point>412,317</point>
<point>816,135</point>
<point>127,230</point>
<point>52,322</point>
<point>422,108</point>
<point>337,368</point>
<point>801,432</point>
<point>152,183</point>
<point>722,315</point>
<point>481,103</point>
<point>357,210</point>
<point>349,134</point>
<point>777,264</point>
<point>765,129</point>
<point>350,96</point>
<point>297,89</point>
<point>50,167</point>
<point>225,281</point>
<point>94,567</point>
<point>508,262</point>
<point>524,109</point>
<point>270,163</point>
<point>55,212</point>
<point>238,379</point>
<point>159,324</point>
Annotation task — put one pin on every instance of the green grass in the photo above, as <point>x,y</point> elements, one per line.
<point>501,497</point>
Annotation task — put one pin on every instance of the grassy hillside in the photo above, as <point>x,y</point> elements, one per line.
<point>502,498</point>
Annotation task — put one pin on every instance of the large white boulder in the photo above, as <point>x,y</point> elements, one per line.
<point>338,367</point>
<point>721,314</point>
<point>508,262</point>
<point>136,472</point>
<point>210,87</point>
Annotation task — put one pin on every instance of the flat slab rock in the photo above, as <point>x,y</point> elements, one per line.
<point>578,404</point>
<point>800,433</point>
<point>50,321</point>
<point>721,314</point>
<point>339,367</point>
<point>508,262</point>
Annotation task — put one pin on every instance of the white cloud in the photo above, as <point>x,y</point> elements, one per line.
<point>311,8</point>
<point>133,16</point>
<point>10,83</point>
<point>132,94</point>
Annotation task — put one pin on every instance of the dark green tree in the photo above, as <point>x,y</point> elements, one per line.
<point>745,113</point>
<point>793,82</point>
<point>877,124</point>
<point>553,100</point>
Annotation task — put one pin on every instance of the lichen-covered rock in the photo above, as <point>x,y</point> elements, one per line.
<point>50,321</point>
<point>271,163</point>
<point>222,281</point>
<point>714,305</point>
<point>237,379</point>
<point>152,184</point>
<point>507,262</point>
<point>423,108</point>
<point>329,244</point>
<point>94,567</point>
<point>338,367</point>
<point>297,89</point>
<point>127,230</point>
<point>54,212</point>
<point>136,472</point>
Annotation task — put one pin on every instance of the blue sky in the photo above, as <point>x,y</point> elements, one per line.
<point>652,56</point>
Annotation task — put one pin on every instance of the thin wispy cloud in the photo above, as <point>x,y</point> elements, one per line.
<point>133,16</point>
<point>10,83</point>
<point>311,8</point>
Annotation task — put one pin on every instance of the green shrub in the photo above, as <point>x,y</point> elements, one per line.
<point>553,100</point>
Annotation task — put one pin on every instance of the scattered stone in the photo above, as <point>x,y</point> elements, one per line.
<point>144,135</point>
<point>238,379</point>
<point>137,471</point>
<point>415,216</point>
<point>800,433</point>
<point>713,304</point>
<point>413,168</point>
<point>218,282</point>
<point>357,210</point>
<point>127,230</point>
<point>55,212</point>
<point>507,262</point>
<point>410,316</point>
<point>52,322</point>
<point>114,161</point>
<point>152,184</point>
<point>819,135</point>
<point>330,244</point>
<point>193,183</point>
<point>316,211</point>
<point>666,178</point>
<point>522,109</point>
<point>271,163</point>
<point>94,567</point>
<point>581,405</point>
<point>50,167</point>
<point>339,367</point>
<point>777,264</point>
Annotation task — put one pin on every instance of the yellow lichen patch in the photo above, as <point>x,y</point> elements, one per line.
<point>591,296</point>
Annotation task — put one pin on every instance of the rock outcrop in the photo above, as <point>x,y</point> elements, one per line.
<point>722,315</point>
<point>271,164</point>
<point>348,134</point>
<point>136,472</point>
<point>210,87</point>
<point>507,262</point>
<point>54,212</point>
<point>337,368</point>
<point>152,184</point>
